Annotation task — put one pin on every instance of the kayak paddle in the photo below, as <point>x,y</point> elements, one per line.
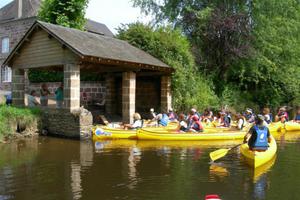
<point>215,155</point>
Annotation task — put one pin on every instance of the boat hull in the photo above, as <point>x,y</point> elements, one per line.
<point>256,159</point>
<point>173,136</point>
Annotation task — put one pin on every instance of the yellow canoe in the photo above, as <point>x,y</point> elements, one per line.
<point>259,171</point>
<point>143,134</point>
<point>148,144</point>
<point>292,126</point>
<point>255,158</point>
<point>275,127</point>
<point>107,133</point>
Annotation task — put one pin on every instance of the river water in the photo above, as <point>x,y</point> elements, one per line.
<point>50,168</point>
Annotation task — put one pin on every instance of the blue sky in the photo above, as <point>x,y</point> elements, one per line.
<point>113,13</point>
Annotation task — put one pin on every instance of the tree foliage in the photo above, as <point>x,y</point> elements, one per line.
<point>251,46</point>
<point>190,88</point>
<point>68,13</point>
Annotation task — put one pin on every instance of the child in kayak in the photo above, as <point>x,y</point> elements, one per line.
<point>282,115</point>
<point>196,125</point>
<point>172,115</point>
<point>162,119</point>
<point>137,122</point>
<point>182,127</point>
<point>297,117</point>
<point>258,137</point>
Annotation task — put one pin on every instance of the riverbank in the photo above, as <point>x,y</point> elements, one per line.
<point>18,122</point>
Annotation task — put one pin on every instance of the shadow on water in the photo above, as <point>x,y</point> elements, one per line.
<point>53,168</point>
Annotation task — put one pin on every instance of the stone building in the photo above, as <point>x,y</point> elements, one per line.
<point>133,79</point>
<point>15,19</point>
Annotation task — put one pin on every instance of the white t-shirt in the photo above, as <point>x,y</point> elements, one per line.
<point>183,124</point>
<point>240,124</point>
<point>32,102</point>
<point>137,124</point>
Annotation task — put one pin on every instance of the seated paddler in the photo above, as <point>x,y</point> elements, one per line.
<point>258,137</point>
<point>137,122</point>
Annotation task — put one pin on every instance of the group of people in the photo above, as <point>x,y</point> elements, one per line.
<point>44,94</point>
<point>257,137</point>
<point>193,121</point>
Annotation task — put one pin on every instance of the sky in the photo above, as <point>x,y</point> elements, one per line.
<point>113,13</point>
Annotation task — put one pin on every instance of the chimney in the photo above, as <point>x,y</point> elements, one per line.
<point>20,8</point>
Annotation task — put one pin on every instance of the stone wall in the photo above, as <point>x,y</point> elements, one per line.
<point>59,122</point>
<point>90,92</point>
<point>15,30</point>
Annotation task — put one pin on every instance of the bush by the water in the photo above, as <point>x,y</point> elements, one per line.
<point>10,117</point>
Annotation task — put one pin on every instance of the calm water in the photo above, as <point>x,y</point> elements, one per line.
<point>50,168</point>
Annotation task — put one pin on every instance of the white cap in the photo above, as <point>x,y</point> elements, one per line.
<point>151,109</point>
<point>193,110</point>
<point>249,110</point>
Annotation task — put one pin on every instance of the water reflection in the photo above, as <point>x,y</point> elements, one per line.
<point>218,172</point>
<point>50,168</point>
<point>133,159</point>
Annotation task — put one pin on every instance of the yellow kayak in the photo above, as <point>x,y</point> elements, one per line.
<point>292,126</point>
<point>107,133</point>
<point>148,144</point>
<point>255,158</point>
<point>259,171</point>
<point>275,127</point>
<point>143,134</point>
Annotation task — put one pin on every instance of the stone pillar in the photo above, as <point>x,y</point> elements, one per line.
<point>71,86</point>
<point>26,81</point>
<point>110,107</point>
<point>166,97</point>
<point>18,87</point>
<point>128,96</point>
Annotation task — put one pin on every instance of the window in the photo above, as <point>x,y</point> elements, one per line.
<point>6,74</point>
<point>5,45</point>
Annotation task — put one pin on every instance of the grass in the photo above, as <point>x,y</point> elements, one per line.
<point>11,116</point>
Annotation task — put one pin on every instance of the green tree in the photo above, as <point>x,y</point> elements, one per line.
<point>68,13</point>
<point>190,88</point>
<point>250,47</point>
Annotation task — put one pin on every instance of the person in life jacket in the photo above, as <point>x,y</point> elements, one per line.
<point>249,115</point>
<point>258,137</point>
<point>182,126</point>
<point>193,113</point>
<point>152,114</point>
<point>282,115</point>
<point>224,120</point>
<point>297,116</point>
<point>137,122</point>
<point>268,115</point>
<point>196,125</point>
<point>241,121</point>
<point>162,119</point>
<point>207,116</point>
<point>172,115</point>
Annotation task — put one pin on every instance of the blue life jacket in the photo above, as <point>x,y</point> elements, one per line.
<point>297,117</point>
<point>262,138</point>
<point>271,117</point>
<point>164,120</point>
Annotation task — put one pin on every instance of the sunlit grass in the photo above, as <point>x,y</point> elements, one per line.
<point>10,116</point>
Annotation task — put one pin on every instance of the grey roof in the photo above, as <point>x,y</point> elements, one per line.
<point>29,9</point>
<point>96,27</point>
<point>94,45</point>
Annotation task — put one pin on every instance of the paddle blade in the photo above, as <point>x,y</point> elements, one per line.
<point>215,155</point>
